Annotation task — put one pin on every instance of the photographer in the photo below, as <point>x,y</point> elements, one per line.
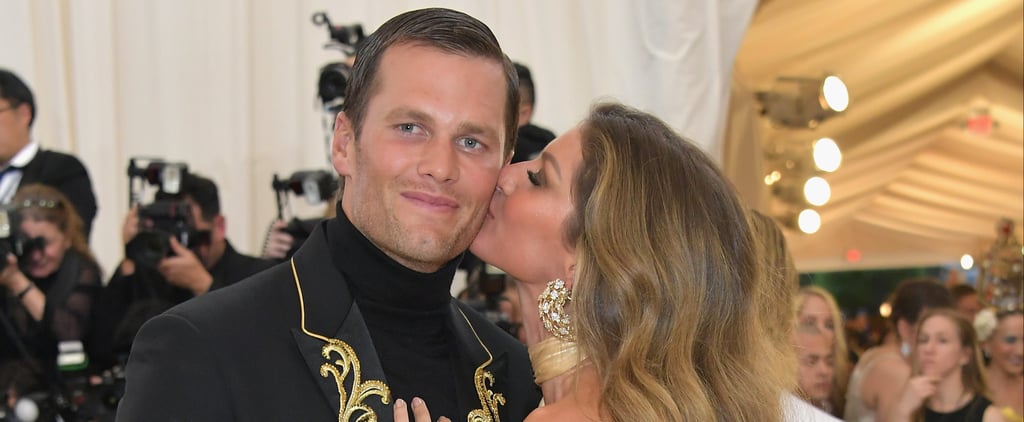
<point>49,290</point>
<point>138,291</point>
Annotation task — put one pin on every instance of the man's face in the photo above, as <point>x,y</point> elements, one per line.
<point>420,175</point>
<point>207,252</point>
<point>13,129</point>
<point>969,305</point>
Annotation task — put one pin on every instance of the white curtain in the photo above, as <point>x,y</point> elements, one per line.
<point>229,86</point>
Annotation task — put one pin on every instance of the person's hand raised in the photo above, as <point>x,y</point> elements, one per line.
<point>419,411</point>
<point>185,270</point>
<point>278,242</point>
<point>130,228</point>
<point>915,392</point>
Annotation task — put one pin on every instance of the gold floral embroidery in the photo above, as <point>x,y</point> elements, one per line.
<point>347,361</point>
<point>349,405</point>
<point>484,380</point>
<point>488,399</point>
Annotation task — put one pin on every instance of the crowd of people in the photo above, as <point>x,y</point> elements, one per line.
<point>644,289</point>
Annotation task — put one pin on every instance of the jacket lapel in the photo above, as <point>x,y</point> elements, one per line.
<point>487,369</point>
<point>348,373</point>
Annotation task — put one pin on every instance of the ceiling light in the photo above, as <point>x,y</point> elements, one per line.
<point>827,156</point>
<point>817,191</point>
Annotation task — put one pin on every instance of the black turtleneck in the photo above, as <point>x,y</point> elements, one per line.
<point>407,314</point>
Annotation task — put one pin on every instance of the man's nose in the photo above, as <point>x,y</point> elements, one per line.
<point>438,161</point>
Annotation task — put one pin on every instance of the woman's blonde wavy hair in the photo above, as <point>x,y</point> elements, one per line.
<point>666,286</point>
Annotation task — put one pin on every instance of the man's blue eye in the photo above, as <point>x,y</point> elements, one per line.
<point>470,143</point>
<point>407,127</point>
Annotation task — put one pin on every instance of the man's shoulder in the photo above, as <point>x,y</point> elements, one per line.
<point>52,158</point>
<point>246,265</point>
<point>253,299</point>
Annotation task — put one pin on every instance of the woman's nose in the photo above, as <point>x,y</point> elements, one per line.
<point>507,178</point>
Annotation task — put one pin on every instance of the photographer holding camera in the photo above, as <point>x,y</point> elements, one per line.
<point>141,289</point>
<point>51,281</point>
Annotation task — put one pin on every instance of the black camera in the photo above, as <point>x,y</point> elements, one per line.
<point>12,239</point>
<point>334,76</point>
<point>163,219</point>
<point>316,186</point>
<point>158,223</point>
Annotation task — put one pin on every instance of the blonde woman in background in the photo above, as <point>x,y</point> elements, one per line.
<point>1002,338</point>
<point>817,308</point>
<point>778,287</point>
<point>947,382</point>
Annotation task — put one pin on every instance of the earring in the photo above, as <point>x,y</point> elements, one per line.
<point>552,310</point>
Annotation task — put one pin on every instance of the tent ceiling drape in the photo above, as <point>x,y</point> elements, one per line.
<point>916,187</point>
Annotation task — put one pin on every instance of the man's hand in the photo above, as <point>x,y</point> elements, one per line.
<point>278,242</point>
<point>185,270</point>
<point>131,225</point>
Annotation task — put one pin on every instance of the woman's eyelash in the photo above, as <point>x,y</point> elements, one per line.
<point>534,177</point>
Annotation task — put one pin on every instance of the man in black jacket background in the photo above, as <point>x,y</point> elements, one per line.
<point>23,162</point>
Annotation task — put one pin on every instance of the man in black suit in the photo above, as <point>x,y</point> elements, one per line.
<point>361,316</point>
<point>23,162</point>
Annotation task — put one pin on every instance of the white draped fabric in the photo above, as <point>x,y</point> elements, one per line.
<point>228,86</point>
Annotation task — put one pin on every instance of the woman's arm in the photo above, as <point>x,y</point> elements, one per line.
<point>885,383</point>
<point>33,299</point>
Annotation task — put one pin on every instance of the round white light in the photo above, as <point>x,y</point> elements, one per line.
<point>816,191</point>
<point>809,221</point>
<point>966,261</point>
<point>837,98</point>
<point>885,310</point>
<point>827,156</point>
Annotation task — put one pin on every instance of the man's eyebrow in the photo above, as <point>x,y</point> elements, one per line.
<point>477,129</point>
<point>408,113</point>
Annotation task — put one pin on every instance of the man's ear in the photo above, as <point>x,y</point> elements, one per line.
<point>24,113</point>
<point>342,146</point>
<point>525,113</point>
<point>220,226</point>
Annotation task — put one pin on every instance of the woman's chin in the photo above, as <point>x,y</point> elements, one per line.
<point>40,271</point>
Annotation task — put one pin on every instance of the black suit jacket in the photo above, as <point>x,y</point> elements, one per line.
<point>241,353</point>
<point>67,174</point>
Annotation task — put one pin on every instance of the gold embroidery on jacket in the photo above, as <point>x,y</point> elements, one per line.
<point>484,380</point>
<point>347,361</point>
<point>348,405</point>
